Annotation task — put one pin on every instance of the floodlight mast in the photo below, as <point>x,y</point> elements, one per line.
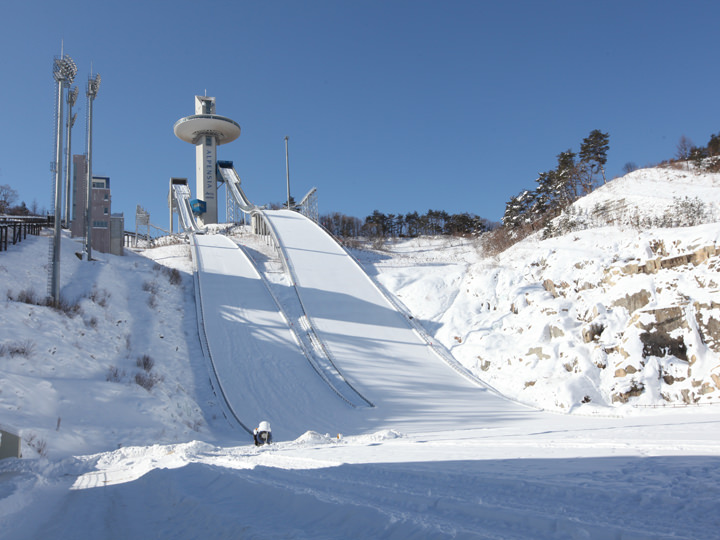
<point>71,98</point>
<point>287,171</point>
<point>92,90</point>
<point>64,71</point>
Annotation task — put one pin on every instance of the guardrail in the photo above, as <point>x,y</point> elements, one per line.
<point>14,229</point>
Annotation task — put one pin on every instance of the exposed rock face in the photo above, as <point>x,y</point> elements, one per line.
<point>592,332</point>
<point>623,397</point>
<point>659,336</point>
<point>707,317</point>
<point>634,301</point>
<point>635,328</point>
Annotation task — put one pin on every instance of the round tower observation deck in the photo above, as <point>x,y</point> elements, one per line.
<point>192,128</point>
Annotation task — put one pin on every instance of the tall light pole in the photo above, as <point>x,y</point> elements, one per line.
<point>287,171</point>
<point>92,90</point>
<point>71,98</point>
<point>64,71</point>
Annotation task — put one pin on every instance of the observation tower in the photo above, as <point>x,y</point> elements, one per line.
<point>206,130</point>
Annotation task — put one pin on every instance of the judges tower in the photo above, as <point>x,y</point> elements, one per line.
<point>206,130</point>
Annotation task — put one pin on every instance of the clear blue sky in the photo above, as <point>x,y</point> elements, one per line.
<point>389,105</point>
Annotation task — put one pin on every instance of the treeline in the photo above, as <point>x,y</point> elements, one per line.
<point>413,224</point>
<point>574,176</point>
<point>8,196</point>
<point>703,157</point>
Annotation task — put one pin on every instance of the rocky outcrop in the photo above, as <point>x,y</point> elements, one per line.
<point>633,302</point>
<point>637,330</point>
<point>652,266</point>
<point>707,317</point>
<point>659,334</point>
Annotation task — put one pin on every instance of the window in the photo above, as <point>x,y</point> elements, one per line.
<point>105,211</point>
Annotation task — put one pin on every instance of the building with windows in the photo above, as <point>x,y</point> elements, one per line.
<point>107,228</point>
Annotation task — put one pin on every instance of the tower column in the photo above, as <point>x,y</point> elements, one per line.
<point>206,178</point>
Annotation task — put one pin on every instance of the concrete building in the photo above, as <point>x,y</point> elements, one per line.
<point>107,228</point>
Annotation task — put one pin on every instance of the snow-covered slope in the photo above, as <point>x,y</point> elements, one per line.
<point>613,316</point>
<point>649,196</point>
<point>120,365</point>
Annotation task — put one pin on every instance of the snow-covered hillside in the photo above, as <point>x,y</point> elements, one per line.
<point>124,342</point>
<point>613,316</point>
<point>124,437</point>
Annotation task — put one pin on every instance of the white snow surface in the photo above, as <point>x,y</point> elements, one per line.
<point>105,457</point>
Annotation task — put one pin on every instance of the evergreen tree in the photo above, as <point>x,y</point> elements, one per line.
<point>376,224</point>
<point>565,185</point>
<point>516,210</point>
<point>413,224</point>
<point>545,192</point>
<point>593,151</point>
<point>713,146</point>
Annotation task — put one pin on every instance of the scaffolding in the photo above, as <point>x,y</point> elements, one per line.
<point>308,207</point>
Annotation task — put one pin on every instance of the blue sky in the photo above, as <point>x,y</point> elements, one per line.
<point>389,105</point>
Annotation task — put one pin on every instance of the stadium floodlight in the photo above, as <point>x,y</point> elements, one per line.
<point>93,86</point>
<point>64,69</point>
<point>72,96</point>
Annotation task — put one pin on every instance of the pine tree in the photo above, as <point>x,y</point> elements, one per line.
<point>517,210</point>
<point>593,151</point>
<point>545,192</point>
<point>713,146</point>
<point>412,222</point>
<point>565,186</point>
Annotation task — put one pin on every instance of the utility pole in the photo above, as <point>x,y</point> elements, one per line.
<point>287,171</point>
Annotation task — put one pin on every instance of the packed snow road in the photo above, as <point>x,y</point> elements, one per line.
<point>615,479</point>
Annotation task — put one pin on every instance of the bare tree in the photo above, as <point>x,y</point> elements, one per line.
<point>629,167</point>
<point>684,147</point>
<point>7,197</point>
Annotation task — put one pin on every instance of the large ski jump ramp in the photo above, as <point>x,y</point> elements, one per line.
<point>260,369</point>
<point>372,343</point>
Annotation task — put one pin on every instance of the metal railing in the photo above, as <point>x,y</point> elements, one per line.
<point>14,229</point>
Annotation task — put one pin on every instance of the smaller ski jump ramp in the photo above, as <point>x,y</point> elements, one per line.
<point>373,345</point>
<point>258,364</point>
<point>182,198</point>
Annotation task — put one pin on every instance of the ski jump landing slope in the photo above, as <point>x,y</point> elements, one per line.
<point>258,365</point>
<point>374,346</point>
